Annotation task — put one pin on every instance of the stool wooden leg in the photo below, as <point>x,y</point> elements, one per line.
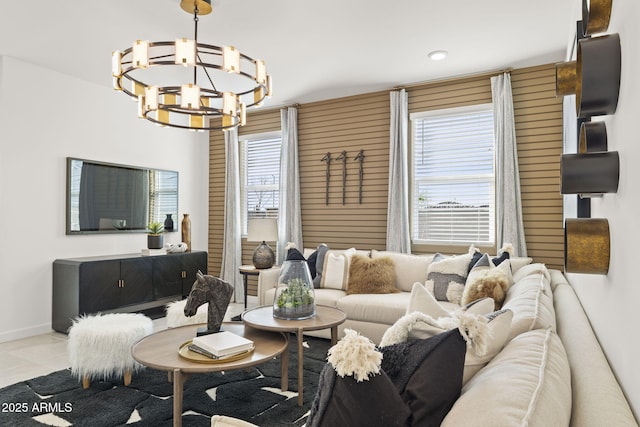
<point>127,377</point>
<point>85,382</point>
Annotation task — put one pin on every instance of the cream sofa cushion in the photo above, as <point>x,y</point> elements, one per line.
<point>377,308</point>
<point>531,300</point>
<point>527,384</point>
<point>408,268</point>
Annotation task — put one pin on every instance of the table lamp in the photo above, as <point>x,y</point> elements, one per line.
<point>263,230</point>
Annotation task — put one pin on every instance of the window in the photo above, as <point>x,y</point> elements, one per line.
<point>453,199</point>
<point>163,195</point>
<point>259,176</point>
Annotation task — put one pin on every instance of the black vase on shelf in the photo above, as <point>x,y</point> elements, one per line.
<point>168,223</point>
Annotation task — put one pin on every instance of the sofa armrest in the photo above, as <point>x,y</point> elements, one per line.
<point>267,279</point>
<point>597,397</point>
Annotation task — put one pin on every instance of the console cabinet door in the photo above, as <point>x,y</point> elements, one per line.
<point>191,264</point>
<point>136,285</point>
<point>167,277</point>
<point>99,286</point>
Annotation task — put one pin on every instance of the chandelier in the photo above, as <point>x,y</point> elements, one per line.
<point>191,105</point>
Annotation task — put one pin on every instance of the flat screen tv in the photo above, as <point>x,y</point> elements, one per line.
<point>110,198</point>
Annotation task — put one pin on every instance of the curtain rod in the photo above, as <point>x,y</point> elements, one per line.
<point>458,77</point>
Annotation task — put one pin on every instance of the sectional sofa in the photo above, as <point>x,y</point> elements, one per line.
<point>550,369</point>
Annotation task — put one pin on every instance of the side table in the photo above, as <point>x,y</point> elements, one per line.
<point>326,317</point>
<point>246,271</point>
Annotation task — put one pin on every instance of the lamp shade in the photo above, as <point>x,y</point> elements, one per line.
<point>262,230</point>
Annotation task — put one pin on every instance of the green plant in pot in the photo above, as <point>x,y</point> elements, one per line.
<point>155,238</point>
<point>295,297</point>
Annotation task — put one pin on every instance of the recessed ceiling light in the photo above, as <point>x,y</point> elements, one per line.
<point>438,55</point>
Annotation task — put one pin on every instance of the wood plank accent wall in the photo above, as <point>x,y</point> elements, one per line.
<point>362,122</point>
<point>538,117</point>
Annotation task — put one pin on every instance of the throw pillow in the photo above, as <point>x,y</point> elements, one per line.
<point>486,335</point>
<point>342,401</point>
<point>335,269</point>
<point>423,382</point>
<point>352,389</point>
<point>423,301</point>
<point>428,375</point>
<point>321,251</point>
<point>446,277</point>
<point>294,254</point>
<point>371,276</point>
<point>495,260</point>
<point>485,281</point>
<point>408,268</point>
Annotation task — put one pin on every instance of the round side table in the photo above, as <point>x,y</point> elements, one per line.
<point>326,317</point>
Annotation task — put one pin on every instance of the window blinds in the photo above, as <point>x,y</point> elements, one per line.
<point>260,177</point>
<point>453,176</point>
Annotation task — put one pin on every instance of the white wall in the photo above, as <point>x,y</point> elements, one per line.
<point>611,301</point>
<point>74,118</point>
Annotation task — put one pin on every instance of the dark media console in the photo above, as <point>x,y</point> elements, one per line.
<point>120,283</point>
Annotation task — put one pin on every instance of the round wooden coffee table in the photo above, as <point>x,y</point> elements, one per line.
<point>326,317</point>
<point>160,351</point>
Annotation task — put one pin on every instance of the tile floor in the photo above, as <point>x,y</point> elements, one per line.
<point>40,355</point>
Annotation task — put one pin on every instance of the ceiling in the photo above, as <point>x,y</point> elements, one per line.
<point>313,50</point>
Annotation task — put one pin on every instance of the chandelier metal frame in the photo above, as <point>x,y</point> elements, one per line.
<point>189,105</point>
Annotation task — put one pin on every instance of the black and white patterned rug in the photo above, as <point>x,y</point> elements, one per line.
<point>253,395</point>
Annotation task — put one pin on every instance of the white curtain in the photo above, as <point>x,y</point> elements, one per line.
<point>398,231</point>
<point>289,218</point>
<point>510,228</point>
<point>231,249</point>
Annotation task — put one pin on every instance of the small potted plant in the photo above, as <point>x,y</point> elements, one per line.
<point>155,238</point>
<point>295,297</point>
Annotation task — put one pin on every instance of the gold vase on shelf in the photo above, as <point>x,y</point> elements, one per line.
<point>186,231</point>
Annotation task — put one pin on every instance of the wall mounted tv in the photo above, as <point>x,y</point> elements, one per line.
<point>110,198</point>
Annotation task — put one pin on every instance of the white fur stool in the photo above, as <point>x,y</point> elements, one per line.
<point>176,317</point>
<point>100,346</point>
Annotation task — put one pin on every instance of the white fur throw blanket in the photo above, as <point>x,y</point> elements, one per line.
<point>472,327</point>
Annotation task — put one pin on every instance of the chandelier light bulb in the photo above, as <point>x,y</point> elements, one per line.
<point>141,53</point>
<point>151,97</point>
<point>116,63</point>
<point>190,96</point>
<point>185,52</point>
<point>230,59</point>
<point>261,72</point>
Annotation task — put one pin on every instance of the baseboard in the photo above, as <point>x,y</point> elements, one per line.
<point>17,334</point>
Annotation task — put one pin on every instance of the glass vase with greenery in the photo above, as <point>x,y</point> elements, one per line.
<point>295,297</point>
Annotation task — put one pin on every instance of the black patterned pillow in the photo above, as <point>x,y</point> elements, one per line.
<point>423,382</point>
<point>446,277</point>
<point>321,251</point>
<point>294,254</point>
<point>496,260</point>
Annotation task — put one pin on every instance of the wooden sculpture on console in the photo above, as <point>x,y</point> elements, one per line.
<point>217,293</point>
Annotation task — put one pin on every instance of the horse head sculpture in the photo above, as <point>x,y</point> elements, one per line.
<point>212,290</point>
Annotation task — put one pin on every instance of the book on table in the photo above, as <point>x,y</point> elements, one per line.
<point>221,344</point>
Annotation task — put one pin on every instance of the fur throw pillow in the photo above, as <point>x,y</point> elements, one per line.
<point>490,283</point>
<point>371,276</point>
